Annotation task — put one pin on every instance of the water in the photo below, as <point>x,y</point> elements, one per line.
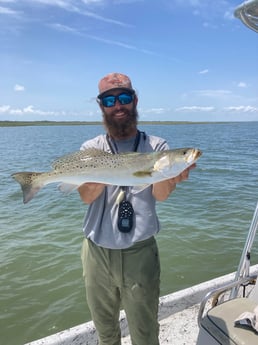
<point>204,222</point>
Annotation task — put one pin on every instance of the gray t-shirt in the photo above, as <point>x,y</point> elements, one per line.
<point>100,223</point>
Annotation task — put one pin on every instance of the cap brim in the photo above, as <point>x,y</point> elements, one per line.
<point>102,94</point>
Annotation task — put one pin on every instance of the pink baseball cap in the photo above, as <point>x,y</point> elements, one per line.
<point>115,81</point>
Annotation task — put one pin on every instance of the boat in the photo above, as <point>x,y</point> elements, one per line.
<point>231,318</point>
<point>182,315</point>
<point>221,311</point>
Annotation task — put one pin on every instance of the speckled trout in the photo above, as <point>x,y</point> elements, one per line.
<point>123,169</point>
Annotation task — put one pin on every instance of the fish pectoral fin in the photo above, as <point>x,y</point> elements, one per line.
<point>143,173</point>
<point>161,164</point>
<point>67,188</point>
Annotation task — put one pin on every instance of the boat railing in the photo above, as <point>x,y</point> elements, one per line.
<point>242,277</point>
<point>215,295</point>
<point>244,264</point>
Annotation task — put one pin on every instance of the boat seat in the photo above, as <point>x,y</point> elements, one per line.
<point>218,325</point>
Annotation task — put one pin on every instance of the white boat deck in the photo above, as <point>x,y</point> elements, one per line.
<point>177,315</point>
<point>179,329</point>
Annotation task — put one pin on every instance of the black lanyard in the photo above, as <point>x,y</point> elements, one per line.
<point>112,144</point>
<point>125,217</point>
<point>113,148</point>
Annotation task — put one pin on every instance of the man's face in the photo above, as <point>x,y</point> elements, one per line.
<point>121,118</point>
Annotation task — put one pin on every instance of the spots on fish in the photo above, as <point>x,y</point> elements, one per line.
<point>126,169</point>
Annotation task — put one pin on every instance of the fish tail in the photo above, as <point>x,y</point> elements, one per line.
<point>30,184</point>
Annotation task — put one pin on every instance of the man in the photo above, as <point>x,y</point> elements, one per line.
<point>119,255</point>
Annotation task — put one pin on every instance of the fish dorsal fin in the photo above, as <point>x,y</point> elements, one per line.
<point>79,156</point>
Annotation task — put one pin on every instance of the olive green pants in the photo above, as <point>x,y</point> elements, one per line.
<point>128,279</point>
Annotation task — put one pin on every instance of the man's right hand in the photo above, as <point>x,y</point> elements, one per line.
<point>90,191</point>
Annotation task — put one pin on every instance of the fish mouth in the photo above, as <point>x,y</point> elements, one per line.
<point>194,155</point>
<point>197,153</point>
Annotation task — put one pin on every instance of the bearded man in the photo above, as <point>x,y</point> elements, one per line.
<point>119,255</point>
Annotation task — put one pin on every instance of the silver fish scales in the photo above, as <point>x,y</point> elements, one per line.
<point>124,169</point>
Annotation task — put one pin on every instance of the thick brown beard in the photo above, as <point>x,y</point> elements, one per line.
<point>121,129</point>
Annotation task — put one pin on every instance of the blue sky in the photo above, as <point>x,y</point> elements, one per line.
<point>189,60</point>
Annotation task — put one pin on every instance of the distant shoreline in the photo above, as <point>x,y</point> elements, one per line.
<point>89,123</point>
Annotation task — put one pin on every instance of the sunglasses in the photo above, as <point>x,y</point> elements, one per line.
<point>123,98</point>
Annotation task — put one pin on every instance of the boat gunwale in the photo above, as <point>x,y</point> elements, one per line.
<point>169,305</point>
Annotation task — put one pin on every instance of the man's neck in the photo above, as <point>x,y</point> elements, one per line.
<point>125,134</point>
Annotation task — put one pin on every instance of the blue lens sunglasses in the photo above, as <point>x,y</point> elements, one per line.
<point>123,98</point>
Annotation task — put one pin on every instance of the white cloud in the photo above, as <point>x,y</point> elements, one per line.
<point>18,88</point>
<point>212,93</point>
<point>121,44</point>
<point>229,15</point>
<point>242,84</point>
<point>64,28</point>
<point>195,108</point>
<point>78,8</point>
<point>103,19</point>
<point>242,108</point>
<point>209,25</point>
<point>7,1</point>
<point>30,109</point>
<point>6,10</point>
<point>71,30</point>
<point>207,8</point>
<point>204,71</point>
<point>156,111</point>
<point>66,4</point>
<point>89,2</point>
<point>4,109</point>
<point>116,2</point>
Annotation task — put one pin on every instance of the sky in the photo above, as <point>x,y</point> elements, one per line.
<point>189,60</point>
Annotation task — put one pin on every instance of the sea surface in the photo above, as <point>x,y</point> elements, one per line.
<point>204,222</point>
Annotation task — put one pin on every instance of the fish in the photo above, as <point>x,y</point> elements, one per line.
<point>138,170</point>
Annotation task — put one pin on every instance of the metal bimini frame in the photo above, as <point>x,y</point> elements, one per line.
<point>247,12</point>
<point>244,264</point>
<point>242,276</point>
